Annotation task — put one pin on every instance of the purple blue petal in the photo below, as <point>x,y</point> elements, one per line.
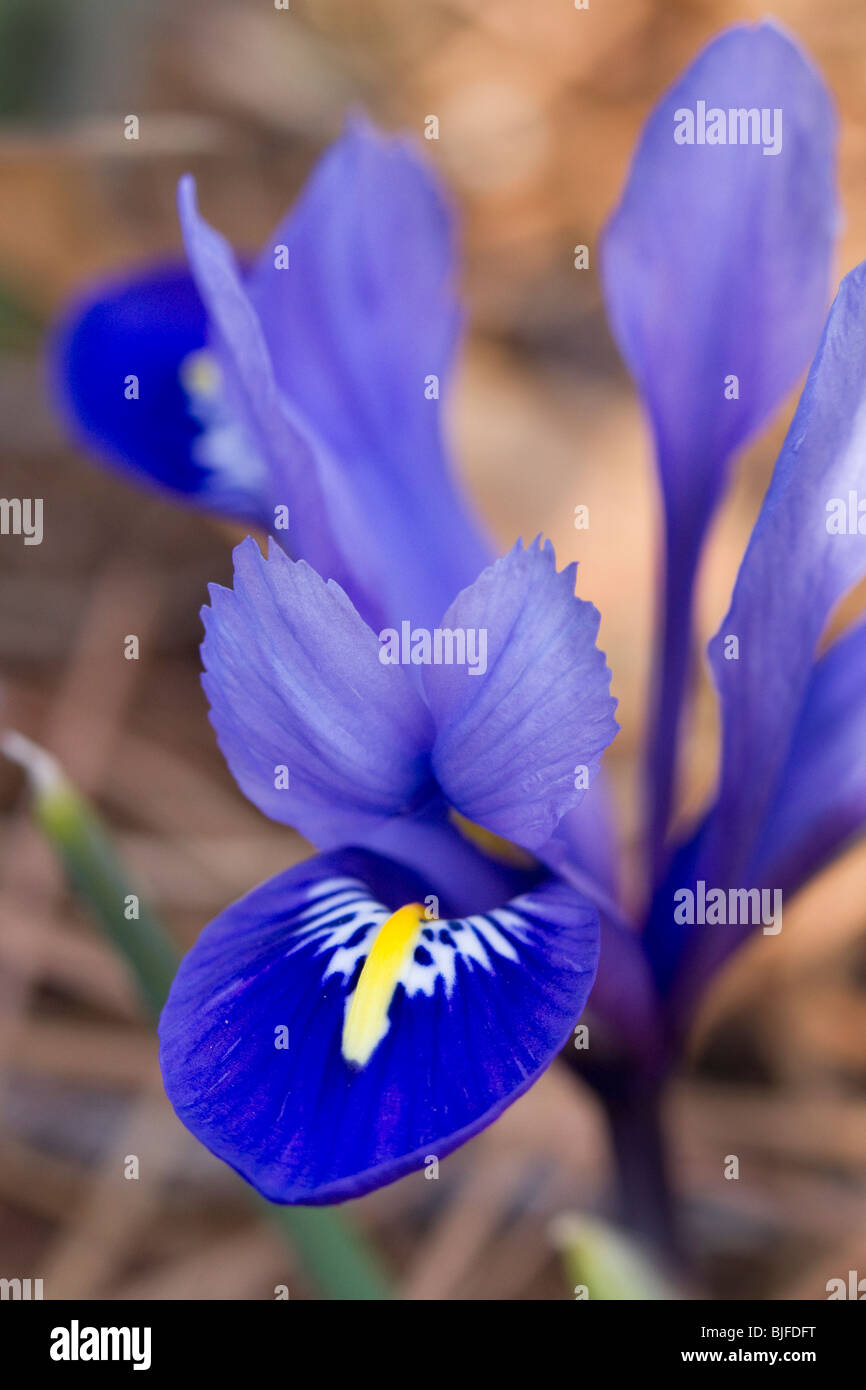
<point>482,1006</point>
<point>362,329</point>
<point>821,801</point>
<point>796,568</point>
<point>317,732</point>
<point>518,743</point>
<point>144,326</point>
<point>716,266</point>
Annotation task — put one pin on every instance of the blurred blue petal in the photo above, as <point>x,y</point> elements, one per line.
<point>324,529</point>
<point>793,573</point>
<point>328,363</point>
<point>775,702</point>
<point>625,1001</point>
<point>821,800</point>
<point>294,681</point>
<point>363,318</point>
<point>513,741</point>
<point>665,940</point>
<point>717,263</point>
<point>147,327</point>
<point>588,838</point>
<point>717,259</point>
<point>480,1006</point>
<point>316,386</point>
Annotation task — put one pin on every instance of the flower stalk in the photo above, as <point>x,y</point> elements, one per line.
<point>644,1198</point>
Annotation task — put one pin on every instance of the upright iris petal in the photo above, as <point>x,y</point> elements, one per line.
<point>802,557</point>
<point>518,744</point>
<point>797,565</point>
<point>299,472</point>
<point>716,271</point>
<point>821,799</point>
<point>313,383</point>
<point>324,1036</point>
<point>362,331</point>
<point>318,733</point>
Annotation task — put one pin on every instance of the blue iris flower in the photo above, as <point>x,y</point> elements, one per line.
<point>312,383</point>
<point>378,1004</point>
<point>413,1005</point>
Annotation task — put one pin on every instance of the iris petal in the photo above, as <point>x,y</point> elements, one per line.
<point>588,838</point>
<point>716,266</point>
<point>821,801</point>
<point>795,569</point>
<point>362,328</point>
<point>717,259</point>
<point>819,806</point>
<point>334,356</point>
<point>460,874</point>
<point>518,743</point>
<point>299,470</point>
<point>480,1009</point>
<point>144,326</point>
<point>317,732</point>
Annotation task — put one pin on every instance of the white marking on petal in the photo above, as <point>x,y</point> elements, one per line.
<point>477,940</point>
<point>223,447</point>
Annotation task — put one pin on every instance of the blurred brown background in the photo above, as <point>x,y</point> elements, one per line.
<point>539,107</point>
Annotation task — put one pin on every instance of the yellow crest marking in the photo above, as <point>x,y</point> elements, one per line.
<point>366,1020</point>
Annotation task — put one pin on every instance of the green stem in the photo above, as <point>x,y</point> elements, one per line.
<point>336,1257</point>
<point>332,1253</point>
